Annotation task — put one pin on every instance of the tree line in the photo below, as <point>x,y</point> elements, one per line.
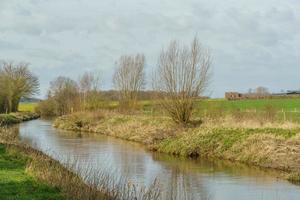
<point>182,74</point>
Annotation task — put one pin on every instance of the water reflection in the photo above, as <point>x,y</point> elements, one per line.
<point>180,178</point>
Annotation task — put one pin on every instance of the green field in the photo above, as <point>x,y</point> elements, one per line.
<point>27,107</point>
<point>286,109</point>
<point>279,104</point>
<point>16,184</point>
<point>248,104</point>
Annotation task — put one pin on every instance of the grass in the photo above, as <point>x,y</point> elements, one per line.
<point>26,112</point>
<point>27,107</point>
<point>285,104</point>
<point>286,109</point>
<point>17,184</point>
<point>14,118</point>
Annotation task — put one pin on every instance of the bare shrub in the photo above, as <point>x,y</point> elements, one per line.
<point>89,84</point>
<point>65,93</point>
<point>129,79</point>
<point>46,108</point>
<point>182,75</point>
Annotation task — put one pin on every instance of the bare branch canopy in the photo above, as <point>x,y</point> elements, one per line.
<point>183,73</point>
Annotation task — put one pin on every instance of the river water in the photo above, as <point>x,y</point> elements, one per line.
<point>178,177</point>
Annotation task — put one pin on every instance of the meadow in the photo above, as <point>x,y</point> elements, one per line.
<point>283,109</point>
<point>280,104</point>
<point>30,107</point>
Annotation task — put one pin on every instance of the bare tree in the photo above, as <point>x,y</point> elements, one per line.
<point>183,74</point>
<point>89,84</point>
<point>65,93</point>
<point>129,78</point>
<point>261,92</point>
<point>16,81</point>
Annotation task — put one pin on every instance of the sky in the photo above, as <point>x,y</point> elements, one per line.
<point>253,43</point>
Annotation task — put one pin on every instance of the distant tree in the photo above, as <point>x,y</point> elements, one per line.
<point>183,74</point>
<point>262,91</point>
<point>250,91</point>
<point>129,78</point>
<point>65,93</point>
<point>89,84</point>
<point>16,81</point>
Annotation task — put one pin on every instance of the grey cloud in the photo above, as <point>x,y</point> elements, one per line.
<point>248,39</point>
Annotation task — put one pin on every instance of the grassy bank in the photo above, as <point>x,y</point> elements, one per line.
<point>16,183</point>
<point>271,145</point>
<point>26,173</point>
<point>14,118</point>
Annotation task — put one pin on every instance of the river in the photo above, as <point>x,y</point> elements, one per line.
<point>179,177</point>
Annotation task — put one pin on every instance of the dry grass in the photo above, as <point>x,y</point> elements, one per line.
<point>138,128</point>
<point>232,122</point>
<point>269,151</point>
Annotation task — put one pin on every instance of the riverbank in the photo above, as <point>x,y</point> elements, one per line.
<point>14,118</point>
<point>27,173</point>
<point>275,146</point>
<point>16,183</point>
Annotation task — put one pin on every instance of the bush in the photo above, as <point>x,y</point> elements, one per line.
<point>46,108</point>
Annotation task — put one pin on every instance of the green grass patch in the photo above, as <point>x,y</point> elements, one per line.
<point>27,107</point>
<point>259,104</point>
<point>16,184</point>
<point>285,104</point>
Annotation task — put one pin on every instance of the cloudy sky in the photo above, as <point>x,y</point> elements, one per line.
<point>253,42</point>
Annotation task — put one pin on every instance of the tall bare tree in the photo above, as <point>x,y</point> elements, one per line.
<point>65,93</point>
<point>183,74</point>
<point>89,84</point>
<point>129,78</point>
<point>16,81</point>
<point>261,92</point>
